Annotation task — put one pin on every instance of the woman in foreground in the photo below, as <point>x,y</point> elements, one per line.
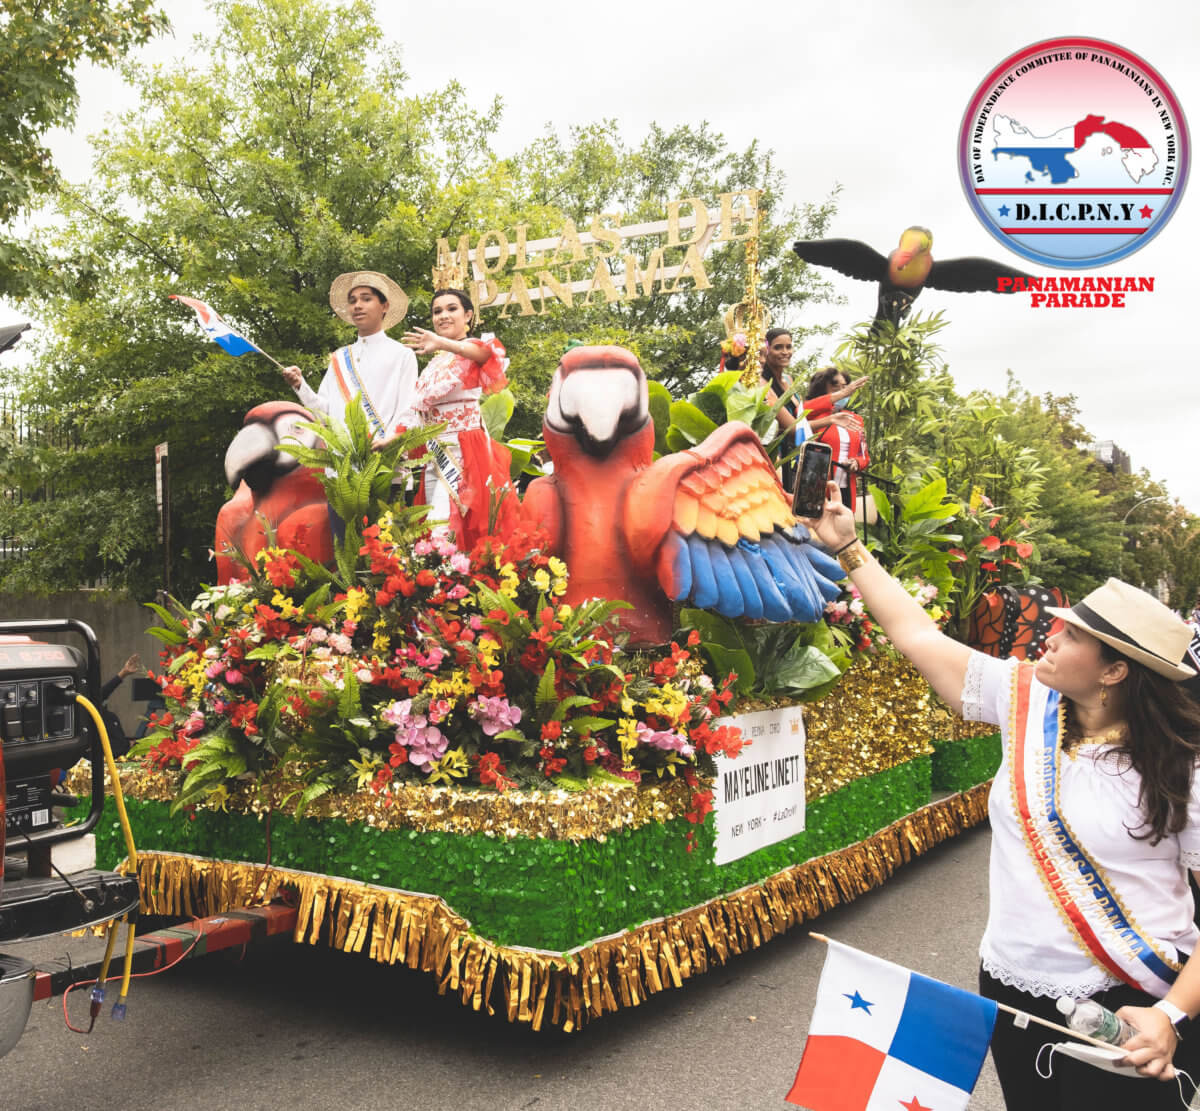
<point>1098,780</point>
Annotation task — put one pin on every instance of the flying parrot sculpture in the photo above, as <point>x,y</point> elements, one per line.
<point>710,526</point>
<point>271,489</point>
<point>906,271</point>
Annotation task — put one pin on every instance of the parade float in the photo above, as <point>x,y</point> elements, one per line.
<point>636,730</point>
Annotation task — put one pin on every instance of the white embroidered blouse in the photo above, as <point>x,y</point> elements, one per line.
<point>1027,944</point>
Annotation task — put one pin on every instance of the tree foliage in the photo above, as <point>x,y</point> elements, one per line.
<point>1020,470</point>
<point>41,43</point>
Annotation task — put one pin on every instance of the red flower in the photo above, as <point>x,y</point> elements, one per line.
<point>990,543</point>
<point>551,731</point>
<point>399,754</point>
<point>988,565</point>
<point>693,639</point>
<point>425,577</point>
<point>1024,550</point>
<point>282,569</point>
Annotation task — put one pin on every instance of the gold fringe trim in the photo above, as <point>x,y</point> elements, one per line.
<point>536,986</point>
<point>602,809</point>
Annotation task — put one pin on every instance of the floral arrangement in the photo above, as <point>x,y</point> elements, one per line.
<point>735,345</point>
<point>855,631</point>
<point>438,666</point>
<point>993,552</point>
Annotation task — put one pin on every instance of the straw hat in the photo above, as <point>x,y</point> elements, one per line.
<point>1135,624</point>
<point>339,295</point>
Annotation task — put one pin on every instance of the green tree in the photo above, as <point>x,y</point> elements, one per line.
<point>291,154</point>
<point>41,43</point>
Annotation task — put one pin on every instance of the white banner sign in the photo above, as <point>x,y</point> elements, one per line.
<point>760,794</point>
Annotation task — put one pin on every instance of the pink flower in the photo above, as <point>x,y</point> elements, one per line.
<point>233,676</point>
<point>214,669</point>
<point>423,547</point>
<point>494,714</point>
<point>456,592</point>
<point>340,643</point>
<point>663,739</point>
<point>460,562</point>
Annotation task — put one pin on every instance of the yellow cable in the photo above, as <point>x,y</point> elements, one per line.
<point>111,764</point>
<point>112,937</point>
<point>128,958</point>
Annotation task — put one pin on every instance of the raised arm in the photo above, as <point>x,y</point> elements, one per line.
<point>940,659</point>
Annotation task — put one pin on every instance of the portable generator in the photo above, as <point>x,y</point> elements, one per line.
<point>43,731</point>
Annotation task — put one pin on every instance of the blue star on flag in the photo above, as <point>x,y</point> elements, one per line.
<point>857,1002</point>
<point>1003,210</point>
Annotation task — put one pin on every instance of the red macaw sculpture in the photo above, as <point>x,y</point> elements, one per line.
<point>271,488</point>
<point>711,525</point>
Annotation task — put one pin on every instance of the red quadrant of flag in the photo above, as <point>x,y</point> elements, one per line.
<point>836,1074</point>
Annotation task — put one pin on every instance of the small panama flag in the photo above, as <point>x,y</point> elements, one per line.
<point>884,1037</point>
<point>218,331</point>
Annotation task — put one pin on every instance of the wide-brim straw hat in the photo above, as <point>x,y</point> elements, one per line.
<point>339,295</point>
<point>1135,624</point>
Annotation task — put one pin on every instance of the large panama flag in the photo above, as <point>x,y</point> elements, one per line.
<point>884,1037</point>
<point>218,331</point>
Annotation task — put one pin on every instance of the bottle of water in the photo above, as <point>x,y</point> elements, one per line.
<point>1089,1017</point>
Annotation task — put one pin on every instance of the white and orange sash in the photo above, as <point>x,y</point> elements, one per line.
<point>345,373</point>
<point>1098,920</point>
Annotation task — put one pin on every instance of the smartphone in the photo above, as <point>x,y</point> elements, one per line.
<point>812,473</point>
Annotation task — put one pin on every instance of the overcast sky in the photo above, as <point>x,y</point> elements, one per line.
<point>869,96</point>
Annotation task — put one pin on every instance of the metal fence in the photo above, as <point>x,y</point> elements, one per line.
<point>32,426</point>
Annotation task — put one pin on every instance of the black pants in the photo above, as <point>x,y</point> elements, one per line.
<point>1073,1085</point>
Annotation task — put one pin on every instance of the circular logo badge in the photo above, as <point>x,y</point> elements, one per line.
<point>1074,152</point>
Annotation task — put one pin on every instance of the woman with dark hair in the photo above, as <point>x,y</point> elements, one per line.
<point>466,468</point>
<point>1095,816</point>
<point>845,437</point>
<point>777,357</point>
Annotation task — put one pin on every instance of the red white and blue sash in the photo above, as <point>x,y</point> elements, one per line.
<point>1094,913</point>
<point>345,371</point>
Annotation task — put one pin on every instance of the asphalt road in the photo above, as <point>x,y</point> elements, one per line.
<point>298,1028</point>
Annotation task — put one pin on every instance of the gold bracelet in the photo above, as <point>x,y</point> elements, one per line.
<point>853,556</point>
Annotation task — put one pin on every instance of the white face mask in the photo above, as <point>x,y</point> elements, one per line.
<point>842,403</point>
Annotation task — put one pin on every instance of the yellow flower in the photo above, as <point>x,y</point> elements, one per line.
<point>668,702</point>
<point>557,568</point>
<point>488,649</point>
<point>626,704</point>
<point>365,768</point>
<point>287,608</point>
<point>450,767</point>
<point>564,613</point>
<point>559,588</point>
<point>509,581</point>
<point>976,498</point>
<point>356,602</point>
<point>627,735</point>
<point>541,579</point>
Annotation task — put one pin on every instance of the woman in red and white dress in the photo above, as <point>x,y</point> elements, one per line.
<point>467,467</point>
<point>842,431</point>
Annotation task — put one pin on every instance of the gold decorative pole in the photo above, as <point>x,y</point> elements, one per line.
<point>751,311</point>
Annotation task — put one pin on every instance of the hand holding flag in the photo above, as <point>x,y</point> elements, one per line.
<point>219,332</point>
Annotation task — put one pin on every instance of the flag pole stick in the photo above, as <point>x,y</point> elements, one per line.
<point>1023,1014</point>
<point>271,357</point>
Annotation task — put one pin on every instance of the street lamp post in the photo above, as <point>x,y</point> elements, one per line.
<point>1144,501</point>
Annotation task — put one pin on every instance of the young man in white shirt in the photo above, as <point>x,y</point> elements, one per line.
<point>377,368</point>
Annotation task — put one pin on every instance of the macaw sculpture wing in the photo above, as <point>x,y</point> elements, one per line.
<point>722,534</point>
